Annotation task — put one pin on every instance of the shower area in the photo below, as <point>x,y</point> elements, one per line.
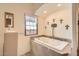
<point>57,31</point>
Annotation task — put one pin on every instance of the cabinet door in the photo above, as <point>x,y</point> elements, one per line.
<point>10,44</point>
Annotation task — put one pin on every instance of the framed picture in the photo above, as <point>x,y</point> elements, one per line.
<point>9,19</point>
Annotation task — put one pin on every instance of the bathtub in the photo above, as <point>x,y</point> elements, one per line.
<point>49,46</point>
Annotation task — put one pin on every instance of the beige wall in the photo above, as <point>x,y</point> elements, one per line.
<point>75,11</point>
<point>41,22</point>
<point>1,34</point>
<point>60,31</point>
<point>18,10</point>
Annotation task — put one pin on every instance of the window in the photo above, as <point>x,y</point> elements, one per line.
<point>30,25</point>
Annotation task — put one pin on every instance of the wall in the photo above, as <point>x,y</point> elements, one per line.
<point>18,10</point>
<point>75,27</point>
<point>75,11</point>
<point>60,31</point>
<point>1,34</point>
<point>41,21</point>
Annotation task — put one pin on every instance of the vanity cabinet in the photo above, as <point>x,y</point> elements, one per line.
<point>10,43</point>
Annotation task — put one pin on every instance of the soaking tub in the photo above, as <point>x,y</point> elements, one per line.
<point>42,46</point>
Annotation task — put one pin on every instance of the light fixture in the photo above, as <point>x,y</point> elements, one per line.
<point>45,12</point>
<point>59,5</point>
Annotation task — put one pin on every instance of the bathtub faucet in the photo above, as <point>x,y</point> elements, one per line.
<point>53,28</point>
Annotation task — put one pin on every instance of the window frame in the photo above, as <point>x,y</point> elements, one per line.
<point>25,26</point>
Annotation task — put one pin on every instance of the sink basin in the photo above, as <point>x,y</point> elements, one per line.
<point>9,31</point>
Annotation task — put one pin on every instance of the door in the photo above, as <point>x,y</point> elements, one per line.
<point>78,40</point>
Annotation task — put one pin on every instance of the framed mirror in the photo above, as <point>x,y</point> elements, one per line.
<point>9,19</point>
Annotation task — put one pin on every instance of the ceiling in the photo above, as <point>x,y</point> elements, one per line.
<point>48,8</point>
<point>36,6</point>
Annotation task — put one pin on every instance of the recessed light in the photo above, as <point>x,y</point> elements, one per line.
<point>59,5</point>
<point>45,11</point>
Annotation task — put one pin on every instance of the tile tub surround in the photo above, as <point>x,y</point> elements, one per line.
<point>46,37</point>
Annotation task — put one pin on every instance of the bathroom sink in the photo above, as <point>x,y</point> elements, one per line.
<point>10,31</point>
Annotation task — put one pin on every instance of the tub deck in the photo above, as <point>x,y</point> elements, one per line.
<point>44,44</point>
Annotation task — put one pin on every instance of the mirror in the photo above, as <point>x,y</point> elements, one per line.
<point>9,19</point>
